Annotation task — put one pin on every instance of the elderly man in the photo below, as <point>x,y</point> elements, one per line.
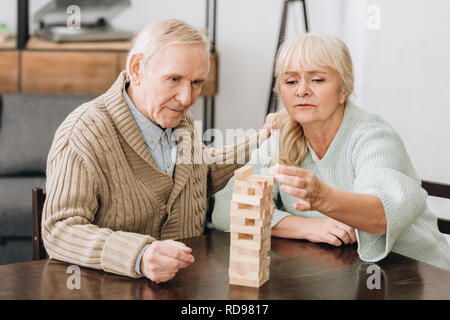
<point>121,183</point>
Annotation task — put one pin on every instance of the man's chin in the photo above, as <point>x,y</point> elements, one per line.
<point>169,123</point>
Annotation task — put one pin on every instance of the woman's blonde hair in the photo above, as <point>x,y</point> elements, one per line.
<point>161,33</point>
<point>308,50</point>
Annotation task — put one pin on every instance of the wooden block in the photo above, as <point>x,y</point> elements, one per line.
<point>249,191</point>
<point>261,252</point>
<point>245,206</point>
<point>243,173</point>
<point>269,179</point>
<point>9,71</point>
<point>237,233</point>
<point>248,282</point>
<point>247,260</point>
<point>68,72</point>
<point>251,212</point>
<point>232,273</point>
<point>248,279</point>
<point>252,252</point>
<point>249,275</point>
<point>252,230</point>
<point>255,184</point>
<point>244,199</point>
<point>238,220</point>
<point>240,263</point>
<point>256,244</point>
<point>237,281</point>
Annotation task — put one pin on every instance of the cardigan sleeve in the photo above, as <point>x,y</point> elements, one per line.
<point>69,231</point>
<point>382,168</point>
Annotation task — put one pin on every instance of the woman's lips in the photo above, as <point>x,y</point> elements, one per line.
<point>304,105</point>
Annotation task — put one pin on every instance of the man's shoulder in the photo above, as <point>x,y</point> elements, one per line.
<point>87,116</point>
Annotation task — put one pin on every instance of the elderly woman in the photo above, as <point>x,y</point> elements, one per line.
<point>343,174</point>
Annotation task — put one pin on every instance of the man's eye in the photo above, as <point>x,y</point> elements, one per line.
<point>291,82</point>
<point>197,82</point>
<point>174,79</point>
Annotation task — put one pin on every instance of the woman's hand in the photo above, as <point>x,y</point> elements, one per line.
<point>310,191</point>
<point>326,230</point>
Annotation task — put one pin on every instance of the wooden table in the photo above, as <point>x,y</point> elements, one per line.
<point>298,270</point>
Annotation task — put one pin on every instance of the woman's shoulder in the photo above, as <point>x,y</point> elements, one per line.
<point>367,124</point>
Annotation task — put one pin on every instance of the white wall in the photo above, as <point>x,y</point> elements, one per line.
<point>407,82</point>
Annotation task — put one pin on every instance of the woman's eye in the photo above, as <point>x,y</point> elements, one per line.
<point>291,82</point>
<point>174,79</point>
<point>317,80</point>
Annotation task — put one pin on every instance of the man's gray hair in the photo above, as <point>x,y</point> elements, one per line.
<point>161,33</point>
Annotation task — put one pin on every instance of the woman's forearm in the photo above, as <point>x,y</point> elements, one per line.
<point>364,212</point>
<point>289,227</point>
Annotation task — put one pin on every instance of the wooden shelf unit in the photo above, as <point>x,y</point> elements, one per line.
<point>70,68</point>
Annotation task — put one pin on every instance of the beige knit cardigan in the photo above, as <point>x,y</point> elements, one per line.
<point>106,198</point>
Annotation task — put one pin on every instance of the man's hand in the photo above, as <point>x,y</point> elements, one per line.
<point>162,260</point>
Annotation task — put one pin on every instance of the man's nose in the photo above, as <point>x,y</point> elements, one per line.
<point>303,88</point>
<point>184,95</point>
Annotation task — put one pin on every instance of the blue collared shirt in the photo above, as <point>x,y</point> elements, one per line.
<point>162,146</point>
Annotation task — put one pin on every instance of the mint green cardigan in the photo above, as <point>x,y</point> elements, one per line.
<point>366,156</point>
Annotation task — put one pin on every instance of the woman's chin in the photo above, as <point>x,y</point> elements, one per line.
<point>304,119</point>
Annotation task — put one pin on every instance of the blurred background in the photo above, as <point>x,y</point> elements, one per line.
<point>399,49</point>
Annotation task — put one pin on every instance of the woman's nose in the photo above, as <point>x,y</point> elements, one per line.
<point>303,89</point>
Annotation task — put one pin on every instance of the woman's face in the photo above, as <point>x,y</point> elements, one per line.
<point>311,95</point>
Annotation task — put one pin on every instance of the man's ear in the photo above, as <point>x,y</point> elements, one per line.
<point>135,69</point>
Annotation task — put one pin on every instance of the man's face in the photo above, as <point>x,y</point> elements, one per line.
<point>171,83</point>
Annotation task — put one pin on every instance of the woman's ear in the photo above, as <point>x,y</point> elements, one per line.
<point>135,69</point>
<point>343,96</point>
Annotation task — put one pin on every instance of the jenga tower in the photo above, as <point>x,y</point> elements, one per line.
<point>250,228</point>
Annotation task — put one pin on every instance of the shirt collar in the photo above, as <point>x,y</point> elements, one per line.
<point>151,132</point>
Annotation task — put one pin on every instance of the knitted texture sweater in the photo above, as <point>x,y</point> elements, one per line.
<point>106,198</point>
<point>366,156</point>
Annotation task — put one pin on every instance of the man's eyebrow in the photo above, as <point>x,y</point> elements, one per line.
<point>176,75</point>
